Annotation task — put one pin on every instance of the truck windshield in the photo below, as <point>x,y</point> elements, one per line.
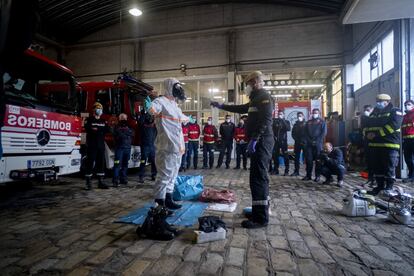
<point>37,84</point>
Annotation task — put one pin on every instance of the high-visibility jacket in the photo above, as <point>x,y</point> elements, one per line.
<point>185,133</point>
<point>240,135</point>
<point>407,127</point>
<point>383,127</point>
<point>210,134</point>
<point>193,132</point>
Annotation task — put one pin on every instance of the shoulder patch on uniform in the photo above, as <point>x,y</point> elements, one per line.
<point>265,101</point>
<point>398,112</point>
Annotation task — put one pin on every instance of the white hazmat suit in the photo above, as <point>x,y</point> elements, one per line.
<point>170,140</point>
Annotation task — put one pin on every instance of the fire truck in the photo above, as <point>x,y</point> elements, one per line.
<point>124,95</point>
<point>42,129</point>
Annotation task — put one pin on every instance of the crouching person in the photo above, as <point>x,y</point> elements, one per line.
<point>169,143</point>
<point>331,162</point>
<point>123,137</point>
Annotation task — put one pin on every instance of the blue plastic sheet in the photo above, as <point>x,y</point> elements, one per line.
<point>185,216</point>
<point>188,187</point>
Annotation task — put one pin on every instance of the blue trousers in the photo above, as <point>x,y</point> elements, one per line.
<point>184,157</point>
<point>121,163</point>
<point>147,152</point>
<point>192,149</point>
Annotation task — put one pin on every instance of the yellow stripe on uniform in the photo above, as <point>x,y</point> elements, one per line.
<point>384,145</point>
<point>389,128</point>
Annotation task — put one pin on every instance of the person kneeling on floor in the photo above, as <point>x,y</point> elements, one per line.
<point>169,143</point>
<point>331,162</point>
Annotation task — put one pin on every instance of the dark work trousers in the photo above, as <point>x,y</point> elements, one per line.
<point>311,155</point>
<point>408,147</point>
<point>122,156</point>
<point>147,153</point>
<point>328,169</point>
<point>95,158</point>
<point>226,148</point>
<point>369,162</point>
<point>298,149</point>
<point>208,155</point>
<point>386,160</point>
<point>192,150</point>
<point>184,157</point>
<point>241,151</point>
<point>280,150</point>
<point>259,179</point>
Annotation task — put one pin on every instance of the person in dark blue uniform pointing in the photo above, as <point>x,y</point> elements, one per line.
<point>259,131</point>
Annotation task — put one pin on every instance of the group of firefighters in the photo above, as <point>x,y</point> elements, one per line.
<point>170,138</point>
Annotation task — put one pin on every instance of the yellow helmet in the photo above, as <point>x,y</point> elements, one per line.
<point>97,106</point>
<point>383,97</point>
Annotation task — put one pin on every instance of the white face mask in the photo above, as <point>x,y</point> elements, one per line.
<point>367,113</point>
<point>281,116</point>
<point>248,90</point>
<point>209,122</point>
<point>409,107</point>
<point>300,119</point>
<point>228,120</point>
<point>315,116</point>
<point>98,112</point>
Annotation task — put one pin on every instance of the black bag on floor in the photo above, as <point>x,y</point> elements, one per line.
<point>155,225</point>
<point>209,224</point>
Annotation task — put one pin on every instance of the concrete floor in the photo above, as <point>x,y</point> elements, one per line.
<point>59,229</point>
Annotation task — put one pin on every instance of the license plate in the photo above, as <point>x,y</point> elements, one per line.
<point>41,163</point>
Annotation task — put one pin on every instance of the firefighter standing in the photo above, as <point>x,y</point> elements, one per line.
<point>383,134</point>
<point>259,131</point>
<point>95,128</point>
<point>298,134</point>
<point>241,145</point>
<point>123,138</point>
<point>193,142</point>
<point>226,133</point>
<point>315,132</point>
<point>280,128</point>
<point>210,136</point>
<point>148,135</point>
<point>364,118</point>
<point>184,158</point>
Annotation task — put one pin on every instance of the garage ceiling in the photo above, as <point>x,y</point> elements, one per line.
<point>69,20</point>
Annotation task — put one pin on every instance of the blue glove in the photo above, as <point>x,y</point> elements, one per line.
<point>216,105</point>
<point>191,119</point>
<point>147,103</point>
<point>251,147</point>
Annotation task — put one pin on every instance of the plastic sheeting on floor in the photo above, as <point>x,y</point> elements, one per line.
<point>186,216</point>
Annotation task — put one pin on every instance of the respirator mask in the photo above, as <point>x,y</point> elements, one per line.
<point>178,92</point>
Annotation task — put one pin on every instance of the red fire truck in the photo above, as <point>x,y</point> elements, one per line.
<point>123,95</point>
<point>41,133</point>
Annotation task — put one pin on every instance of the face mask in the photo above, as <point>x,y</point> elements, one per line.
<point>248,90</point>
<point>367,113</point>
<point>300,119</point>
<point>408,107</point>
<point>281,116</point>
<point>315,116</point>
<point>98,112</point>
<point>209,122</point>
<point>178,92</point>
<point>381,105</point>
<point>241,123</point>
<point>228,120</point>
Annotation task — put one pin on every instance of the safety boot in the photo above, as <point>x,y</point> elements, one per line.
<point>376,190</point>
<point>115,183</point>
<point>101,184</point>
<point>169,202</point>
<point>88,183</point>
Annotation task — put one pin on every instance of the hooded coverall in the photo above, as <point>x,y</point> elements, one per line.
<point>170,140</point>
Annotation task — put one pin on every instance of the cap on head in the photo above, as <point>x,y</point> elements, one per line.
<point>122,116</point>
<point>383,97</point>
<point>253,75</point>
<point>97,106</point>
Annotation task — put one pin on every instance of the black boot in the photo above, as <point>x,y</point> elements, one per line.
<point>376,190</point>
<point>169,202</point>
<point>88,183</point>
<point>160,202</point>
<point>101,184</point>
<point>115,183</point>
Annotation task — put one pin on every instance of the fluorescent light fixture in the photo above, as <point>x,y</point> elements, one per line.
<point>189,98</point>
<point>187,101</point>
<point>282,96</point>
<point>195,101</point>
<point>213,90</point>
<point>268,87</point>
<point>135,12</point>
<point>217,97</point>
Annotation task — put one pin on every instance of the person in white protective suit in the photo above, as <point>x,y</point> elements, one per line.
<point>169,143</point>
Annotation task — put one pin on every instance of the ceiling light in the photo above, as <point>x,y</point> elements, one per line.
<point>282,96</point>
<point>217,97</point>
<point>135,12</point>
<point>213,90</point>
